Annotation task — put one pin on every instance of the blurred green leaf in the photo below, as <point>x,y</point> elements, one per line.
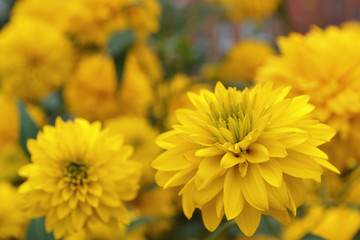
<point>312,237</point>
<point>28,128</point>
<point>140,221</point>
<point>36,230</point>
<point>118,46</point>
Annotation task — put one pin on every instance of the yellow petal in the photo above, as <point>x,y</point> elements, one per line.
<point>209,152</point>
<point>173,159</point>
<point>253,189</point>
<point>78,218</point>
<point>280,215</point>
<point>180,177</point>
<point>204,195</point>
<point>233,199</point>
<point>62,210</point>
<point>300,165</point>
<point>187,199</point>
<point>248,220</point>
<point>257,153</point>
<point>209,216</point>
<point>275,148</point>
<point>271,172</point>
<point>209,169</point>
<point>229,160</point>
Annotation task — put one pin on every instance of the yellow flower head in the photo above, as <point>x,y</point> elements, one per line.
<point>12,219</point>
<point>30,70</point>
<point>93,21</point>
<point>84,90</point>
<point>310,64</point>
<point>242,9</point>
<point>141,137</point>
<point>79,177</point>
<point>243,153</point>
<point>245,58</point>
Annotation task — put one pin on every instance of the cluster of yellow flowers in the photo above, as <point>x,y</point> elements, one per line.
<point>124,148</point>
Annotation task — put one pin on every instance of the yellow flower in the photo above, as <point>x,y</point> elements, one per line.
<point>142,138</point>
<point>245,58</point>
<point>242,9</point>
<point>93,21</point>
<point>12,219</point>
<point>79,177</point>
<point>159,206</point>
<point>171,95</point>
<point>340,222</point>
<point>47,11</point>
<point>12,157</point>
<point>30,70</point>
<point>9,125</point>
<point>243,154</point>
<point>84,90</point>
<point>310,64</point>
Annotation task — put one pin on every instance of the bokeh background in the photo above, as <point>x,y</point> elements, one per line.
<point>129,65</point>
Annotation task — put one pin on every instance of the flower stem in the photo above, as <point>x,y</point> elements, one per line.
<point>271,227</point>
<point>221,229</point>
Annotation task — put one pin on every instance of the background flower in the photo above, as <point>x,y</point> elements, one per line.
<point>79,178</point>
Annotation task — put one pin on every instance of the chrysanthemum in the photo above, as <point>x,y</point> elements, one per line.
<point>84,90</point>
<point>244,59</point>
<point>243,154</point>
<point>30,70</point>
<point>309,63</point>
<point>242,9</point>
<point>12,219</point>
<point>79,177</point>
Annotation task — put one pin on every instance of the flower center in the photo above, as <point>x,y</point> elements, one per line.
<point>76,172</point>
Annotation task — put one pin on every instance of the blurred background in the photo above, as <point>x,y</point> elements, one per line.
<point>129,65</point>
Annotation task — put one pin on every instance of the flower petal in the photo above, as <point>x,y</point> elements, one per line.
<point>248,220</point>
<point>233,198</point>
<point>253,189</point>
<point>271,172</point>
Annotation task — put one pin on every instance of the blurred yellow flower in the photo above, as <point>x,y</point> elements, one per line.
<point>310,64</point>
<point>242,9</point>
<point>93,21</point>
<point>340,222</point>
<point>30,70</point>
<point>12,219</point>
<point>243,60</point>
<point>243,154</point>
<point>95,84</point>
<point>47,11</point>
<point>79,177</point>
<point>12,157</point>
<point>9,125</point>
<point>138,133</point>
<point>171,95</point>
<point>159,206</point>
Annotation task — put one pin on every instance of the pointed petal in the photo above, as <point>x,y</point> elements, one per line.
<point>209,216</point>
<point>248,220</point>
<point>233,198</point>
<point>253,188</point>
<point>271,172</point>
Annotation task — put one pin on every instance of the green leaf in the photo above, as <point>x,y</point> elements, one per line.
<point>36,230</point>
<point>28,128</point>
<point>310,236</point>
<point>118,46</point>
<point>140,221</point>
